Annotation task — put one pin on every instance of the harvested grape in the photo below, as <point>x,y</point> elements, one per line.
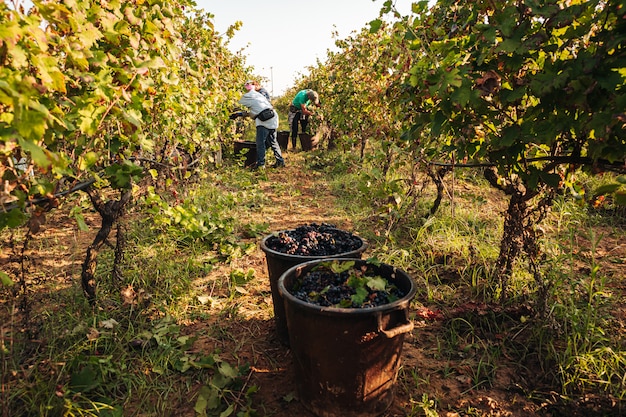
<point>314,240</point>
<point>340,284</point>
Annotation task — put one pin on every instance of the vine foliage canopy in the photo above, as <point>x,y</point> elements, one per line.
<point>524,85</point>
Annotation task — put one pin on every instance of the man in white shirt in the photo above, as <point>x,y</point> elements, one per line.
<point>265,130</point>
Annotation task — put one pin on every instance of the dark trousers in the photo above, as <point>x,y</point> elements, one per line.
<point>266,138</point>
<point>304,122</point>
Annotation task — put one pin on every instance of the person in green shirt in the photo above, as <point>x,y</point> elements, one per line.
<point>300,110</point>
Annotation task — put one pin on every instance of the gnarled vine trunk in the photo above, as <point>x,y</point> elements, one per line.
<point>437,175</point>
<point>512,238</point>
<point>110,212</point>
<point>520,236</point>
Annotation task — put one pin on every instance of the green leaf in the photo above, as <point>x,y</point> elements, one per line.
<point>360,296</point>
<point>19,56</point>
<point>80,220</point>
<point>438,121</point>
<point>462,95</point>
<point>345,303</point>
<point>620,198</point>
<point>50,74</point>
<point>510,96</point>
<point>356,281</point>
<point>120,175</point>
<point>290,397</point>
<point>227,370</point>
<point>533,179</point>
<point>84,380</point>
<point>14,218</point>
<point>88,122</point>
<point>182,364</point>
<point>91,158</point>
<point>377,283</point>
<point>220,381</point>
<point>207,362</point>
<point>374,261</point>
<point>39,155</point>
<point>607,189</point>
<point>452,78</point>
<point>228,411</point>
<point>551,179</point>
<point>489,32</point>
<point>375,25</point>
<point>240,277</point>
<point>339,267</point>
<point>10,30</point>
<point>89,35</point>
<point>213,400</point>
<point>509,45</point>
<point>510,135</point>
<point>32,123</point>
<point>6,280</point>
<point>133,116</point>
<point>202,402</point>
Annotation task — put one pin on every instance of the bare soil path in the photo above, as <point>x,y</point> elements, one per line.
<point>300,197</point>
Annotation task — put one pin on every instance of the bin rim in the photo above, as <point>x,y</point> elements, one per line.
<point>399,304</point>
<point>304,258</point>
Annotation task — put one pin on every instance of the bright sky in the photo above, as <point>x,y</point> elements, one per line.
<point>282,37</point>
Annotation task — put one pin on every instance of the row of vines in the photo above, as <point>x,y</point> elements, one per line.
<point>530,92</point>
<point>95,96</point>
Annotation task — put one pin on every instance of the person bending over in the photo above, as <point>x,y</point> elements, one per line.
<point>300,110</point>
<point>265,129</point>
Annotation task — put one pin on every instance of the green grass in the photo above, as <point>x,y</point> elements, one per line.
<point>120,354</point>
<point>451,255</point>
<point>186,263</point>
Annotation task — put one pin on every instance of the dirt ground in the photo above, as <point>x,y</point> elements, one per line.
<point>250,335</point>
<point>420,371</point>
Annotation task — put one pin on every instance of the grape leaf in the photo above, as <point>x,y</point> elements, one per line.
<point>6,280</point>
<point>375,25</point>
<point>377,283</point>
<point>360,296</point>
<point>339,267</point>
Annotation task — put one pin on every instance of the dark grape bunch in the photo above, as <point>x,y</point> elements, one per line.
<point>314,240</point>
<point>329,289</point>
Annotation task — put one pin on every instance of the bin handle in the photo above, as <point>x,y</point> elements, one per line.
<point>400,329</point>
